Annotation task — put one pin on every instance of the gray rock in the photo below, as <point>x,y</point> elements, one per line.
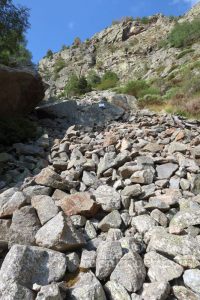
<point>49,292</point>
<point>143,177</point>
<point>114,234</point>
<point>187,261</point>
<point>88,178</point>
<point>108,198</point>
<point>143,223</point>
<point>174,245</point>
<point>27,265</point>
<point>177,147</point>
<point>15,291</point>
<point>73,262</point>
<point>86,287</point>
<point>107,162</point>
<point>90,230</point>
<point>88,259</point>
<point>191,279</point>
<point>166,171</point>
<point>130,272</point>
<point>10,201</point>
<point>78,221</point>
<point>108,255</point>
<point>112,220</point>
<point>24,227</point>
<point>45,207</point>
<point>115,291</point>
<point>161,267</point>
<point>59,234</point>
<point>132,191</point>
<point>159,217</point>
<point>184,219</point>
<point>196,185</point>
<point>36,190</point>
<point>4,233</point>
<point>182,293</point>
<point>156,291</point>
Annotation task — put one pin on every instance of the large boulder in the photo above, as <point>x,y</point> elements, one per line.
<point>21,90</point>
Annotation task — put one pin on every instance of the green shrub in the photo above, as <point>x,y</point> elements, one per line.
<point>14,130</point>
<point>93,79</point>
<point>49,54</point>
<point>139,88</point>
<point>59,65</point>
<point>77,86</point>
<point>109,80</point>
<point>184,34</point>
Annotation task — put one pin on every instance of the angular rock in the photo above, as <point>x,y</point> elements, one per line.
<point>161,267</point>
<point>131,191</point>
<point>107,162</point>
<point>36,190</point>
<point>15,291</point>
<point>90,230</point>
<point>78,204</point>
<point>159,217</point>
<point>59,234</point>
<point>4,233</point>
<point>45,207</point>
<point>143,177</point>
<point>10,201</point>
<point>130,272</point>
<point>177,147</point>
<point>88,259</point>
<point>73,262</point>
<point>49,178</point>
<point>51,292</point>
<point>112,220</point>
<point>27,265</point>
<point>184,219</point>
<point>156,291</point>
<point>191,279</point>
<point>174,245</point>
<point>115,291</point>
<point>166,171</point>
<point>25,225</point>
<point>108,198</point>
<point>143,223</point>
<point>108,255</point>
<point>86,287</point>
<point>187,261</point>
<point>182,293</point>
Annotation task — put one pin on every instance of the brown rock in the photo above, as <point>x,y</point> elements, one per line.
<point>78,204</point>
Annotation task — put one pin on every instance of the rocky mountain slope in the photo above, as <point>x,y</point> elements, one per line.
<point>132,49</point>
<point>108,199</point>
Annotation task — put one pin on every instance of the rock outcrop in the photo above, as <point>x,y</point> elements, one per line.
<point>21,90</point>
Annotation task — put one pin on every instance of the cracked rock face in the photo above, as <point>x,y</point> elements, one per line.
<point>106,212</point>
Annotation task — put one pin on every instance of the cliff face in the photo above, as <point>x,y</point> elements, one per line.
<point>132,49</point>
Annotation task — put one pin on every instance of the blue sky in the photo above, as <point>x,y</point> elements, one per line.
<point>54,23</point>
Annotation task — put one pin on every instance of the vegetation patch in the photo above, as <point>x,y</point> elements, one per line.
<point>108,81</point>
<point>77,86</point>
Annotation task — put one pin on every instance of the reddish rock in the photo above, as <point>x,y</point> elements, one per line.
<point>110,139</point>
<point>79,204</point>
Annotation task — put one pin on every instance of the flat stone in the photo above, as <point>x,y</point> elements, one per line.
<point>115,291</point>
<point>177,147</point>
<point>108,255</point>
<point>130,272</point>
<point>191,279</point>
<point>78,204</point>
<point>112,220</point>
<point>143,223</point>
<point>166,171</point>
<point>45,207</point>
<point>159,290</point>
<point>28,265</point>
<point>153,147</point>
<point>174,245</point>
<point>108,198</point>
<point>24,226</point>
<point>86,287</point>
<point>161,267</point>
<point>59,234</point>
